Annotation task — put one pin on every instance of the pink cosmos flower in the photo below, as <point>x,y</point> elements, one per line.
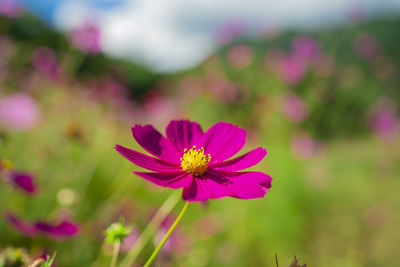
<point>229,31</point>
<point>198,162</point>
<point>10,8</point>
<point>293,70</point>
<point>52,230</point>
<point>18,112</point>
<point>24,181</point>
<point>240,56</point>
<point>86,38</point>
<point>295,109</point>
<point>44,60</point>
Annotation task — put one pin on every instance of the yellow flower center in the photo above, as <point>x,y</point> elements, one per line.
<point>194,161</point>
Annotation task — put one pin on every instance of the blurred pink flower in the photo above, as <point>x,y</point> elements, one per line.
<point>130,240</point>
<point>10,8</point>
<point>295,109</point>
<point>229,31</point>
<point>240,56</point>
<point>356,11</point>
<point>305,48</point>
<point>86,38</point>
<point>222,88</point>
<point>60,230</point>
<point>293,70</point>
<point>44,60</point>
<point>304,147</point>
<point>367,46</point>
<point>384,121</point>
<point>24,181</point>
<point>18,112</point>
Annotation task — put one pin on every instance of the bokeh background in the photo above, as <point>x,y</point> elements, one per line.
<point>315,82</point>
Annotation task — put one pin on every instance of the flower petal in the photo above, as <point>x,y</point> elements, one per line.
<point>245,185</point>
<point>65,228</point>
<point>22,227</point>
<point>245,161</point>
<point>167,179</point>
<point>24,181</point>
<point>183,134</point>
<point>222,141</point>
<point>156,144</point>
<point>145,161</point>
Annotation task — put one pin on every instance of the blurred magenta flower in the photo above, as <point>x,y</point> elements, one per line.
<point>295,109</point>
<point>240,56</point>
<point>366,46</point>
<point>383,120</point>
<point>18,112</point>
<point>10,8</point>
<point>293,70</point>
<point>44,60</point>
<point>51,230</point>
<point>86,38</point>
<point>304,147</point>
<point>23,181</point>
<point>229,31</point>
<point>305,48</point>
<point>197,161</point>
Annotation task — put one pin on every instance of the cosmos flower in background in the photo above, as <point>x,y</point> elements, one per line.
<point>367,46</point>
<point>295,109</point>
<point>60,230</point>
<point>86,38</point>
<point>229,31</point>
<point>240,56</point>
<point>18,112</point>
<point>24,181</point>
<point>10,8</point>
<point>304,146</point>
<point>383,120</point>
<point>18,179</point>
<point>305,48</point>
<point>198,162</point>
<point>293,70</point>
<point>45,61</point>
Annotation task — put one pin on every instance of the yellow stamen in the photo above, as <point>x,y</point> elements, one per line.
<point>194,161</point>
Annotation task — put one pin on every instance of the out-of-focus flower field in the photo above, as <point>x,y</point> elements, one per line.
<point>324,104</point>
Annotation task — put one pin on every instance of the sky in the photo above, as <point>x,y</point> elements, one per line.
<point>173,35</point>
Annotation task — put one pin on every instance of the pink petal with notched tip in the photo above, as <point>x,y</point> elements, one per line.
<point>156,144</point>
<point>183,134</point>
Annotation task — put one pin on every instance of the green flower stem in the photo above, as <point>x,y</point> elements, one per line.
<point>114,258</point>
<point>174,225</point>
<point>151,228</point>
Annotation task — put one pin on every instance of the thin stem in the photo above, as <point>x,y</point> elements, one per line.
<point>114,258</point>
<point>174,225</point>
<point>151,227</point>
<point>276,260</point>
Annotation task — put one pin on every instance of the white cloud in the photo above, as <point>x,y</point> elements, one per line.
<point>170,35</point>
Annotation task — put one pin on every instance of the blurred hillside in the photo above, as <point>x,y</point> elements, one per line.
<point>339,73</point>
